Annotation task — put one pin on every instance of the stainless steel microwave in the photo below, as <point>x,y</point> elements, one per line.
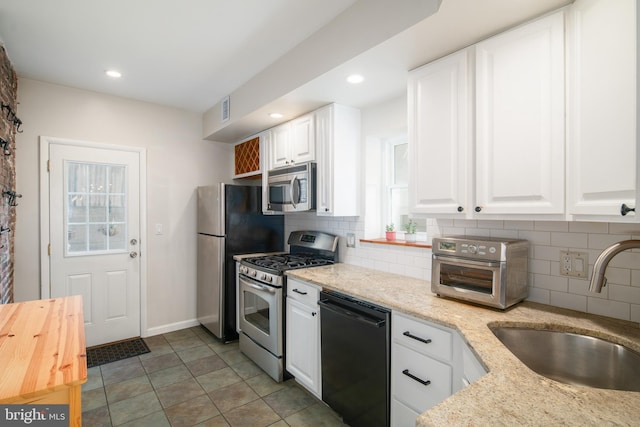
<point>293,188</point>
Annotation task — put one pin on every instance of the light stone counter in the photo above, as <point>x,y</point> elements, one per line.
<point>510,394</point>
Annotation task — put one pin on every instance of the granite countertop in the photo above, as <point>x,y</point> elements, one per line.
<point>510,393</point>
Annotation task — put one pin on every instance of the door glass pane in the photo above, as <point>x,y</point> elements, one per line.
<point>96,207</point>
<point>256,311</point>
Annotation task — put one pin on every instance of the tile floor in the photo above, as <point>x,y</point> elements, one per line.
<point>191,379</point>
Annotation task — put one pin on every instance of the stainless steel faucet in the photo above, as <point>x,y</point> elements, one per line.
<point>597,278</point>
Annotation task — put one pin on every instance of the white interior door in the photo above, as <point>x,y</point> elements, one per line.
<point>94,217</point>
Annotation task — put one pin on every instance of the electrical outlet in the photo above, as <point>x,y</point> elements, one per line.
<point>574,264</point>
<point>351,240</point>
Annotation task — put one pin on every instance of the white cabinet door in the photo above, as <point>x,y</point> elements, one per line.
<point>602,148</point>
<point>338,160</point>
<point>279,151</point>
<point>303,351</point>
<point>439,136</point>
<point>302,141</point>
<point>520,120</point>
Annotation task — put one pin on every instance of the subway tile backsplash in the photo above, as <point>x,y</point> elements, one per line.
<point>619,299</point>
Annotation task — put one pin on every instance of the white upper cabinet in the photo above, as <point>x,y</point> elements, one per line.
<point>520,120</point>
<point>338,173</point>
<point>293,142</point>
<point>440,143</point>
<point>512,160</point>
<point>602,111</point>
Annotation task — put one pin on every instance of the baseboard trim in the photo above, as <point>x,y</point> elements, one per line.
<point>157,330</point>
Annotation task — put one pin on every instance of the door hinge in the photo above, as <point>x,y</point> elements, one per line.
<point>48,165</point>
<point>49,249</point>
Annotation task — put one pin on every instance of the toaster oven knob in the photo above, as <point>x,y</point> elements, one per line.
<point>472,249</point>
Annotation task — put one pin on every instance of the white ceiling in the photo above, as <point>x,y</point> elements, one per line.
<point>189,54</point>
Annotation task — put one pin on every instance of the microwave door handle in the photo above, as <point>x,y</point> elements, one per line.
<point>294,198</point>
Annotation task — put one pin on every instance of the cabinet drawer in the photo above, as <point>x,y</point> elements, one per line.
<point>409,390</point>
<point>413,333</point>
<point>401,415</point>
<point>305,293</point>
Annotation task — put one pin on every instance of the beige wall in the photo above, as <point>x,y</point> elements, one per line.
<point>178,160</point>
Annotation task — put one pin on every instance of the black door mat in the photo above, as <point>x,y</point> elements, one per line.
<point>113,352</point>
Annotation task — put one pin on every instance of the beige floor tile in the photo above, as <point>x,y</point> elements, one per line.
<point>179,392</point>
<point>317,415</point>
<point>289,401</point>
<point>218,379</point>
<point>264,385</point>
<point>254,414</point>
<point>192,412</point>
<point>128,388</point>
<point>134,408</point>
<point>233,396</point>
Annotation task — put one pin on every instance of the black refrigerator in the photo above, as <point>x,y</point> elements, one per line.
<point>230,222</point>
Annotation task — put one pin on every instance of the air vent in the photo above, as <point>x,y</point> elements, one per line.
<point>226,110</point>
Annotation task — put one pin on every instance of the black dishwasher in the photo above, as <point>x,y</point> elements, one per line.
<point>356,337</point>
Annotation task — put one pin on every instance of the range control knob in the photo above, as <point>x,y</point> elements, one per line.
<point>254,273</point>
<point>472,249</point>
<point>268,278</point>
<point>263,277</point>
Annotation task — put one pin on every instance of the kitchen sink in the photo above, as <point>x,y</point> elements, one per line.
<point>573,358</point>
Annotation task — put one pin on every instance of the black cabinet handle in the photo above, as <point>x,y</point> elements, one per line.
<point>413,377</point>
<point>299,292</point>
<point>460,208</point>
<point>424,340</point>
<point>478,208</point>
<point>624,209</point>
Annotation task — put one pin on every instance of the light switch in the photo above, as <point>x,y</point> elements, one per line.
<point>159,229</point>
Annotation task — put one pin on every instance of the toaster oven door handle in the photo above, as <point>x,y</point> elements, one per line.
<point>465,261</point>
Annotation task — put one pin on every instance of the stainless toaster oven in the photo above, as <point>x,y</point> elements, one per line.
<point>482,270</point>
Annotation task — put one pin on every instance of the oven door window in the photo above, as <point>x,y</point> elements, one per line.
<point>467,277</point>
<point>257,312</point>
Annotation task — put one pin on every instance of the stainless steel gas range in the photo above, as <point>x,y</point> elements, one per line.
<point>261,293</point>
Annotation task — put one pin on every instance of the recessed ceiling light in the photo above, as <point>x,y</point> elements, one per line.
<point>355,78</point>
<point>113,73</point>
<point>275,115</point>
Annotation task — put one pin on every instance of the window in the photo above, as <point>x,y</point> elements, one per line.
<point>96,208</point>
<point>397,181</point>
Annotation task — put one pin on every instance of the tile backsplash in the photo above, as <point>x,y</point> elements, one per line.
<point>619,299</point>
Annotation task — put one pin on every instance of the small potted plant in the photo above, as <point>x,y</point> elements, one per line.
<point>410,231</point>
<point>390,233</point>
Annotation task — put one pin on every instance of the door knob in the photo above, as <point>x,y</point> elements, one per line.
<point>133,254</point>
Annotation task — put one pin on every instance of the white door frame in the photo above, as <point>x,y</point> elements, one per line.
<point>45,267</point>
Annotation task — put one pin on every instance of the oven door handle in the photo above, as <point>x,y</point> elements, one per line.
<point>248,282</point>
<point>351,315</point>
<point>464,262</point>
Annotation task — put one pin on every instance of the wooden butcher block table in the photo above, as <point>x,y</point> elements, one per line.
<point>42,353</point>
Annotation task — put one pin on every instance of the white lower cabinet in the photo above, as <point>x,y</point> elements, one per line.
<point>303,335</point>
<point>429,363</point>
